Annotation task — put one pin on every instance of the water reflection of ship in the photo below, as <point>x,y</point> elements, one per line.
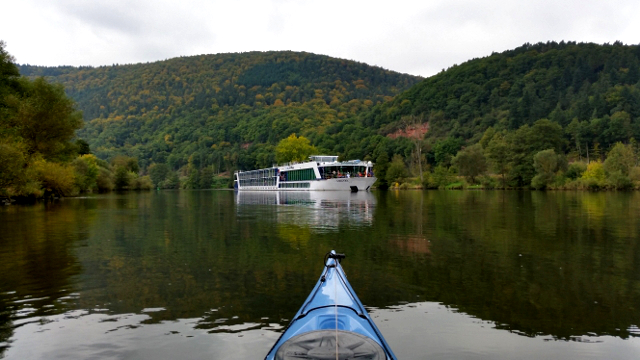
<point>318,209</point>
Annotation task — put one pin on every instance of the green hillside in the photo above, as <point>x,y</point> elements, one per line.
<point>576,101</point>
<point>226,111</point>
<point>557,81</point>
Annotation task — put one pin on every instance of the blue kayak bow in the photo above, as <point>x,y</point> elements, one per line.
<point>332,323</point>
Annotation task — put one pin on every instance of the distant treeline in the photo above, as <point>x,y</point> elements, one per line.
<point>223,112</point>
<point>212,114</point>
<point>530,157</point>
<point>40,156</point>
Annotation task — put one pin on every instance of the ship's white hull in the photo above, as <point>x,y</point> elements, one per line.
<point>320,173</point>
<point>338,184</point>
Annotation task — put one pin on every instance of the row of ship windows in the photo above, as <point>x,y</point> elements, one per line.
<point>258,182</point>
<point>265,173</point>
<point>269,174</point>
<point>304,185</point>
<point>272,182</point>
<point>297,175</point>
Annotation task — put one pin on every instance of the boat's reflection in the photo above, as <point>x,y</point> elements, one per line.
<point>322,210</point>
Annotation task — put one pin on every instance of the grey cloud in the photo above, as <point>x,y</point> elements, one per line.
<point>139,30</point>
<point>416,37</point>
<point>121,16</point>
<point>141,19</point>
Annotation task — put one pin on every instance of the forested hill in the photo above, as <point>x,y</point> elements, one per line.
<point>570,101</point>
<point>557,81</point>
<point>226,110</point>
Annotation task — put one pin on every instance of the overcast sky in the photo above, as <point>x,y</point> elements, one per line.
<point>414,37</point>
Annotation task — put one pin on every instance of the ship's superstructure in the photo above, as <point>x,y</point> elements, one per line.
<point>321,172</point>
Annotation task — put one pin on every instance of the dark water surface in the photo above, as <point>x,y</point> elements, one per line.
<point>217,275</point>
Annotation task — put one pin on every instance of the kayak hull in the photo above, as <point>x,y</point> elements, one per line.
<point>332,320</point>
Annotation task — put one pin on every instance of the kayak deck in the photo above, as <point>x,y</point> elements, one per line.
<point>332,323</point>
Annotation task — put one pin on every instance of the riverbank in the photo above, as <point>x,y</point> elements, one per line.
<point>495,182</point>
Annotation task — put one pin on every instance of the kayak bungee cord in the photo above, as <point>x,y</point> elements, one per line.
<point>335,290</point>
<point>336,257</point>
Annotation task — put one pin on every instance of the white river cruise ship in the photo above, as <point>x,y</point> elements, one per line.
<point>321,172</point>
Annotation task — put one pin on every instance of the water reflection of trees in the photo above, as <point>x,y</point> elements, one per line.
<point>563,263</point>
<point>37,261</point>
<point>183,252</point>
<point>190,255</point>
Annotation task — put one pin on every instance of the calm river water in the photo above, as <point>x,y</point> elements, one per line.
<point>217,275</point>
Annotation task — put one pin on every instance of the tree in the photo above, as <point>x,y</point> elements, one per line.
<point>546,163</point>
<point>595,172</point>
<point>9,84</point>
<point>294,149</point>
<point>470,162</point>
<point>82,147</point>
<point>45,118</point>
<point>526,142</point>
<point>206,178</point>
<point>621,158</point>
<point>12,163</point>
<point>442,176</point>
<point>126,170</point>
<point>577,130</point>
<point>575,170</point>
<point>487,136</point>
<point>56,179</point>
<point>86,168</point>
<point>380,170</point>
<point>397,170</point>
<point>636,149</point>
<point>127,162</point>
<point>171,182</point>
<point>497,152</point>
<point>104,181</point>
<point>122,178</point>
<point>444,150</point>
<point>158,173</point>
<point>545,134</point>
<point>619,127</point>
<point>37,123</point>
<point>193,176</point>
